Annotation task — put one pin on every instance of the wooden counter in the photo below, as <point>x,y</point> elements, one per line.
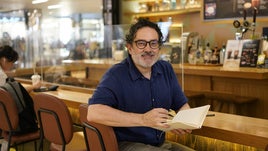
<point>204,70</point>
<point>234,128</point>
<point>228,127</point>
<point>72,96</point>
<point>219,71</point>
<point>251,82</point>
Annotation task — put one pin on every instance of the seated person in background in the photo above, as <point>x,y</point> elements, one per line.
<point>8,56</point>
<point>135,95</point>
<point>79,51</point>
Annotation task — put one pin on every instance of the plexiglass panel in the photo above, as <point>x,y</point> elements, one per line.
<point>65,50</point>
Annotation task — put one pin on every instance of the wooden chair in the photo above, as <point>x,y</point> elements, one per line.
<point>9,122</point>
<point>56,124</point>
<point>98,137</point>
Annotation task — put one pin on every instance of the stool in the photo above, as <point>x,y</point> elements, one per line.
<point>234,102</point>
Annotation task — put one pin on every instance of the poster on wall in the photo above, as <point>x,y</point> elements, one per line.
<point>226,9</point>
<point>250,50</point>
<point>232,54</point>
<point>241,53</point>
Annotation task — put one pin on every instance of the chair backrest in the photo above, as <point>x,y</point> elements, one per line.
<point>54,118</point>
<point>8,112</point>
<point>98,137</point>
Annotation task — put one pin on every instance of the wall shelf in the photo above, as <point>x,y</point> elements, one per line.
<point>165,13</point>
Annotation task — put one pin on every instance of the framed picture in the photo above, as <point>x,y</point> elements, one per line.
<point>232,54</point>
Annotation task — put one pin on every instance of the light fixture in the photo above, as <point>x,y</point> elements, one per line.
<point>54,6</point>
<point>38,1</point>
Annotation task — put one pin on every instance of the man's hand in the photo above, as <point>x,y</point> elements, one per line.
<point>156,118</point>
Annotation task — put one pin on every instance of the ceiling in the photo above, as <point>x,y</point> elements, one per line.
<point>69,7</point>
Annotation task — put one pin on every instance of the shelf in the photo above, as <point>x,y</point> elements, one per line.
<point>166,13</point>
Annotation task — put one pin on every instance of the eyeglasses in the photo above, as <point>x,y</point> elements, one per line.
<point>141,44</point>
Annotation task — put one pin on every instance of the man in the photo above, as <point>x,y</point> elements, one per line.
<point>135,95</point>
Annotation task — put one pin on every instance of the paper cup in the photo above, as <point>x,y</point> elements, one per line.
<point>35,78</point>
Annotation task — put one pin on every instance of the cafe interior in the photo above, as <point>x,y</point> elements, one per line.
<point>206,42</point>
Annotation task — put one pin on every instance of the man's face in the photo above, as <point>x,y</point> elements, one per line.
<point>145,48</point>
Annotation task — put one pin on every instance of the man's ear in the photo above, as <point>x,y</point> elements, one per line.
<point>129,48</point>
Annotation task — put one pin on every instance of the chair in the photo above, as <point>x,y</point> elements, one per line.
<point>98,137</point>
<point>56,124</point>
<point>9,122</point>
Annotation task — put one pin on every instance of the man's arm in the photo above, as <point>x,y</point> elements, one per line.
<point>185,106</point>
<point>107,115</point>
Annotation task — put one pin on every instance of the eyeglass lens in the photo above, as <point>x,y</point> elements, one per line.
<point>142,44</point>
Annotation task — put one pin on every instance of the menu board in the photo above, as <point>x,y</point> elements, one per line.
<point>250,51</point>
<point>224,9</point>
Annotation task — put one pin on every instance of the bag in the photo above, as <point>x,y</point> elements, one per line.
<point>27,117</point>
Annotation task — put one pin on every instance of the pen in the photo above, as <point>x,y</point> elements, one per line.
<point>171,113</point>
<point>209,115</point>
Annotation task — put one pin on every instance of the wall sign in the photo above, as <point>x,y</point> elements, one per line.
<point>226,9</point>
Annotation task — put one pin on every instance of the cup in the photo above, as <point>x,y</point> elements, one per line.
<point>35,79</point>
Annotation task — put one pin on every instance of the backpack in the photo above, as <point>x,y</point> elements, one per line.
<point>25,105</point>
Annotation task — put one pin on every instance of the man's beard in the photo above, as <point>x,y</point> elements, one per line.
<point>139,59</point>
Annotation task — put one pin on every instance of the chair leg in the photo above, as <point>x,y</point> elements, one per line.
<point>9,141</point>
<point>35,145</point>
<point>63,147</point>
<point>41,143</point>
<point>85,136</point>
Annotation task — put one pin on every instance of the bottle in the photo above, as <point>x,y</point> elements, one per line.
<point>215,55</point>
<point>207,54</point>
<point>222,53</point>
<point>199,53</point>
<point>173,4</point>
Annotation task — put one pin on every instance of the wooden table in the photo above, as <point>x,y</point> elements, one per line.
<point>228,127</point>
<point>234,128</point>
<point>71,98</point>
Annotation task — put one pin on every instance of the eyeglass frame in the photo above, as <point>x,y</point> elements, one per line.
<point>148,42</point>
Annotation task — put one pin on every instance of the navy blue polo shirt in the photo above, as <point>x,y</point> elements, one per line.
<point>123,87</point>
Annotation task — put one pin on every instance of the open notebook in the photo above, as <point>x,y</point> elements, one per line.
<point>189,119</point>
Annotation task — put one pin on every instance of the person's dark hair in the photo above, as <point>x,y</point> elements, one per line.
<point>79,42</point>
<point>9,53</point>
<point>140,24</point>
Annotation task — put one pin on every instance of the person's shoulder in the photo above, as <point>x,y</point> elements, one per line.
<point>121,66</point>
<point>163,63</point>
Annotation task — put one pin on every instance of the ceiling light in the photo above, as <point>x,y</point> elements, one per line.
<point>38,1</point>
<point>54,6</point>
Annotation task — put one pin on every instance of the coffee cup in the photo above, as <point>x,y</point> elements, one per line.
<point>35,79</point>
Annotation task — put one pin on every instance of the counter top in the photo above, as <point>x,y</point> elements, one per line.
<point>229,127</point>
<point>219,71</point>
<point>234,128</point>
<point>206,70</point>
